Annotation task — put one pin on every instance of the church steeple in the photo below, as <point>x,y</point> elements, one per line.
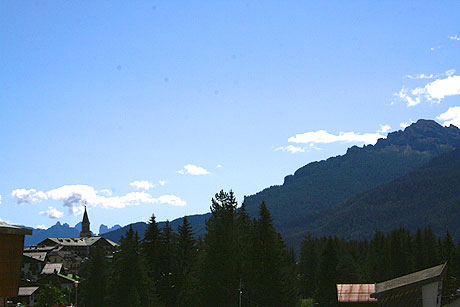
<point>85,232</point>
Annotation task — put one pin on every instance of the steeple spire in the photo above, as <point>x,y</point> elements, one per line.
<point>85,231</point>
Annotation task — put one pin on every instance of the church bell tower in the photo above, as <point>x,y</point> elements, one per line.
<point>85,232</point>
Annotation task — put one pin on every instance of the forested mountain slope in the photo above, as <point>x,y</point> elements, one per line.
<point>317,188</point>
<point>428,196</point>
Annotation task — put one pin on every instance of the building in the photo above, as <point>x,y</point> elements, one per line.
<point>11,246</point>
<point>352,295</point>
<point>70,252</point>
<point>419,289</point>
<point>85,229</point>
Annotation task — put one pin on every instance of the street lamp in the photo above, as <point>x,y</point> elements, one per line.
<point>76,290</point>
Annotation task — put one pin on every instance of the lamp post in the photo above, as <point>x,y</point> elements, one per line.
<point>76,291</point>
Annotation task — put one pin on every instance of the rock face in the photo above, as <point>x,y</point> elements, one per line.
<point>104,229</point>
<point>55,231</point>
<point>315,189</point>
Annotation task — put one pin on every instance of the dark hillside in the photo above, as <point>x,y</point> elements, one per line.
<point>315,189</point>
<point>429,196</point>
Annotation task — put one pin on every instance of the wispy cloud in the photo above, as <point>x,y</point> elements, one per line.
<point>142,185</point>
<point>24,196</point>
<point>296,149</point>
<point>421,76</point>
<point>451,117</point>
<point>447,84</point>
<point>454,37</point>
<point>171,200</point>
<point>404,125</point>
<point>384,128</point>
<point>191,169</point>
<point>323,137</point>
<point>0,199</point>
<point>162,182</point>
<point>219,166</point>
<point>291,149</point>
<point>42,226</point>
<point>52,213</point>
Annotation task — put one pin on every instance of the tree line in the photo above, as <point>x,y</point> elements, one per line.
<point>239,261</point>
<point>244,262</point>
<point>327,261</point>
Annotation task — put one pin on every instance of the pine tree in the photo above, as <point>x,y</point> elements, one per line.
<point>378,258</point>
<point>220,267</point>
<point>93,288</point>
<point>326,293</point>
<point>130,283</point>
<point>186,252</point>
<point>150,248</point>
<point>308,266</point>
<point>166,286</point>
<point>267,267</point>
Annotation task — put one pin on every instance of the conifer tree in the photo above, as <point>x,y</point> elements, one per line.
<point>267,268</point>
<point>220,267</point>
<point>186,252</point>
<point>130,283</point>
<point>326,293</point>
<point>93,287</point>
<point>308,266</point>
<point>150,248</point>
<point>166,286</point>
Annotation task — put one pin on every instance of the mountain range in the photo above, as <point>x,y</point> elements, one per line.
<point>407,179</point>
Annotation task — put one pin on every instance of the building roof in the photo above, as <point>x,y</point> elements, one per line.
<point>51,268</point>
<point>408,281</point>
<point>74,241</point>
<point>35,248</point>
<point>355,293</point>
<point>14,230</point>
<point>27,291</point>
<point>40,256</point>
<point>88,241</point>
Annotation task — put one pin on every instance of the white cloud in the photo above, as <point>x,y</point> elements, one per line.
<point>191,169</point>
<point>142,185</point>
<point>162,182</point>
<point>434,48</point>
<point>451,117</point>
<point>291,149</point>
<point>41,227</point>
<point>406,124</point>
<point>171,200</point>
<point>24,196</point>
<point>105,192</point>
<point>323,137</point>
<point>219,166</point>
<point>0,198</point>
<point>454,37</point>
<point>384,128</point>
<point>52,213</point>
<point>434,91</point>
<point>75,197</point>
<point>421,76</point>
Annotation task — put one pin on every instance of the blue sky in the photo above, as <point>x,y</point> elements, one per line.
<point>153,106</point>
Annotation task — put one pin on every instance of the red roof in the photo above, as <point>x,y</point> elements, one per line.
<point>355,292</point>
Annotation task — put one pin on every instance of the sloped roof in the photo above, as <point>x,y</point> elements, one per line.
<point>355,293</point>
<point>40,256</point>
<point>27,291</point>
<point>50,268</point>
<point>13,230</point>
<point>78,241</point>
<point>410,280</point>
